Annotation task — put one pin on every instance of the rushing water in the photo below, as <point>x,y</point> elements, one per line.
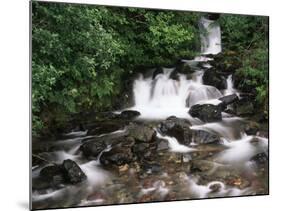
<point>156,99</point>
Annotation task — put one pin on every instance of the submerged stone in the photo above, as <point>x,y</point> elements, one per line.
<point>205,137</point>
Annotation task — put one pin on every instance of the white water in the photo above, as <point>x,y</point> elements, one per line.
<point>174,145</point>
<point>210,36</point>
<point>240,151</point>
<point>230,87</point>
<point>162,97</point>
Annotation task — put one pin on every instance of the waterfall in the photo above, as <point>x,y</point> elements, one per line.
<point>210,34</point>
<point>230,87</point>
<point>163,96</point>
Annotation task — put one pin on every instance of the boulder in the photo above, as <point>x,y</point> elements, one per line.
<point>212,78</point>
<point>92,149</point>
<point>72,172</point>
<point>178,128</point>
<point>206,112</point>
<point>129,114</point>
<point>67,172</point>
<point>53,175</point>
<point>117,156</point>
<point>229,99</point>
<point>205,137</point>
<point>141,133</point>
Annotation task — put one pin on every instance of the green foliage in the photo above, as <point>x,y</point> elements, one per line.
<point>248,35</point>
<point>81,52</point>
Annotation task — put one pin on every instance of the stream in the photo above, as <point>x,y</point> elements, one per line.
<point>178,141</point>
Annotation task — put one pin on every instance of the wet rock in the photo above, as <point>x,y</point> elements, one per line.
<point>142,133</point>
<point>260,158</point>
<point>178,128</point>
<point>104,127</point>
<point>206,112</point>
<point>117,156</point>
<point>182,68</point>
<point>212,78</point>
<point>205,137</point>
<point>67,172</point>
<point>72,172</point>
<point>52,175</point>
<point>229,99</point>
<point>129,114</point>
<point>93,148</point>
<point>215,187</point>
<point>159,70</point>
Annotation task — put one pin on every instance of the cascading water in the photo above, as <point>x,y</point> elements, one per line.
<point>157,97</point>
<point>162,96</point>
<point>210,36</point>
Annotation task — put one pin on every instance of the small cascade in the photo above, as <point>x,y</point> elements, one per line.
<point>229,86</point>
<point>162,96</point>
<point>210,36</point>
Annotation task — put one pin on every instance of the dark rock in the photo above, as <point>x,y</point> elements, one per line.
<point>92,149</point>
<point>215,187</point>
<point>52,173</point>
<point>68,172</point>
<point>159,70</point>
<point>175,75</point>
<point>212,78</point>
<point>229,99</point>
<point>178,128</point>
<point>117,156</point>
<point>183,68</point>
<point>72,172</point>
<point>129,114</point>
<point>103,128</point>
<point>260,159</point>
<point>206,112</point>
<point>142,133</point>
<point>205,137</point>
